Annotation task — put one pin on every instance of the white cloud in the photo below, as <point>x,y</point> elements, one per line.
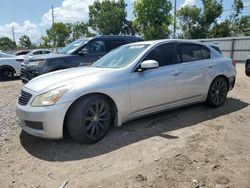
<point>188,3</point>
<point>69,11</point>
<point>26,28</point>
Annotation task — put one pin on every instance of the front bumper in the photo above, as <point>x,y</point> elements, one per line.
<point>49,120</point>
<point>232,82</point>
<point>28,73</point>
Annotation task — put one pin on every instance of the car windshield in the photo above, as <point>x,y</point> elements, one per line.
<point>120,57</point>
<point>73,46</point>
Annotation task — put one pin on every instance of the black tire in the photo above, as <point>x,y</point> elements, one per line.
<point>7,73</point>
<point>217,93</point>
<point>89,119</point>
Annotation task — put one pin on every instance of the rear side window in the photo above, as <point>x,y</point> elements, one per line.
<point>193,52</point>
<point>112,44</point>
<point>165,54</point>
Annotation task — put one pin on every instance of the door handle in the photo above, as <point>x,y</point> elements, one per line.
<point>175,73</point>
<point>210,66</point>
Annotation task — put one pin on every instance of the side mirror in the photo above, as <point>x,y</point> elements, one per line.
<point>83,52</point>
<point>148,64</point>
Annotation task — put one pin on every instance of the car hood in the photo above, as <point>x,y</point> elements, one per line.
<point>69,76</point>
<point>45,56</point>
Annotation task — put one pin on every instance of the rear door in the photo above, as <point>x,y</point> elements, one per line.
<point>196,67</point>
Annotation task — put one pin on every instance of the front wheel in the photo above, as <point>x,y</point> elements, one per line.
<point>89,119</point>
<point>217,93</point>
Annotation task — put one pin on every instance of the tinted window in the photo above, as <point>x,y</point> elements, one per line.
<point>193,52</point>
<point>165,54</point>
<point>112,44</point>
<point>95,47</point>
<point>205,53</point>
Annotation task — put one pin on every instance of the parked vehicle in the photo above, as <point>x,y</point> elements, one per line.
<point>10,66</point>
<point>37,52</point>
<point>132,81</point>
<point>247,66</point>
<point>22,52</point>
<point>81,52</point>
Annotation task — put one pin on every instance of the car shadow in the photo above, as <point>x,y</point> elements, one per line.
<point>14,79</point>
<point>131,132</point>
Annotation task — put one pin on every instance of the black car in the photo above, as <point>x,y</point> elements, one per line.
<point>247,67</point>
<point>81,52</point>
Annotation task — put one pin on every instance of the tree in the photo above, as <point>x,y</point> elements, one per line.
<point>25,42</point>
<point>7,44</point>
<point>234,25</point>
<point>58,35</point>
<point>78,30</point>
<point>196,22</point>
<point>108,16</point>
<point>153,18</point>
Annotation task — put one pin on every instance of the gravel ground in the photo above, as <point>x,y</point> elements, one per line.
<point>192,147</point>
<point>9,125</point>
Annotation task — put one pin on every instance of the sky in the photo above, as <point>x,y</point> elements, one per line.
<point>33,17</point>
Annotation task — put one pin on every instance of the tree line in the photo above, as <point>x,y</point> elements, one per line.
<point>152,20</point>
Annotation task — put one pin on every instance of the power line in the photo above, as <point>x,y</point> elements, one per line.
<point>246,6</point>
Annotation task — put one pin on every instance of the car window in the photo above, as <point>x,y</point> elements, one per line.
<point>165,54</point>
<point>96,47</point>
<point>205,52</point>
<point>112,44</point>
<point>120,57</point>
<point>45,52</point>
<point>193,52</point>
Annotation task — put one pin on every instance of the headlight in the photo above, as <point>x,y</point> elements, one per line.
<point>50,97</point>
<point>36,63</point>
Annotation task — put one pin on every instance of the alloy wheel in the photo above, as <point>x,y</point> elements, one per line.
<point>97,119</point>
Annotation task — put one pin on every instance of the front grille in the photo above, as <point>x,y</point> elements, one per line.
<point>24,98</point>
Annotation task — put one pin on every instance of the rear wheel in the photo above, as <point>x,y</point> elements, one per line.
<point>89,119</point>
<point>7,73</point>
<point>217,92</point>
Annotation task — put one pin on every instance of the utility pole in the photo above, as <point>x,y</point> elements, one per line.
<point>174,19</point>
<point>13,34</point>
<point>53,18</point>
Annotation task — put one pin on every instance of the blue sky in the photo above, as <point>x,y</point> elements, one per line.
<point>33,17</point>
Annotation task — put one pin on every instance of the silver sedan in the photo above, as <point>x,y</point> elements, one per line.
<point>131,81</point>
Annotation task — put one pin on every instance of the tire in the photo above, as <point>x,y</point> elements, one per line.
<point>217,93</point>
<point>89,119</point>
<point>7,73</point>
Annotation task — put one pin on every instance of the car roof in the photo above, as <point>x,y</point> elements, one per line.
<point>118,36</point>
<point>153,42</point>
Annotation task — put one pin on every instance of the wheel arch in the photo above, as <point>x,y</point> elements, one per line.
<point>223,76</point>
<point>114,109</point>
<point>8,66</point>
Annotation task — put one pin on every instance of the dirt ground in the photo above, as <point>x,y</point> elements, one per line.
<point>194,146</point>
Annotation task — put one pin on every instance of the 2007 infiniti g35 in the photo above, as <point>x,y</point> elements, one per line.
<point>131,81</point>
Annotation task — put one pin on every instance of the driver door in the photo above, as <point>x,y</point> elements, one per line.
<point>93,51</point>
<point>160,88</point>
